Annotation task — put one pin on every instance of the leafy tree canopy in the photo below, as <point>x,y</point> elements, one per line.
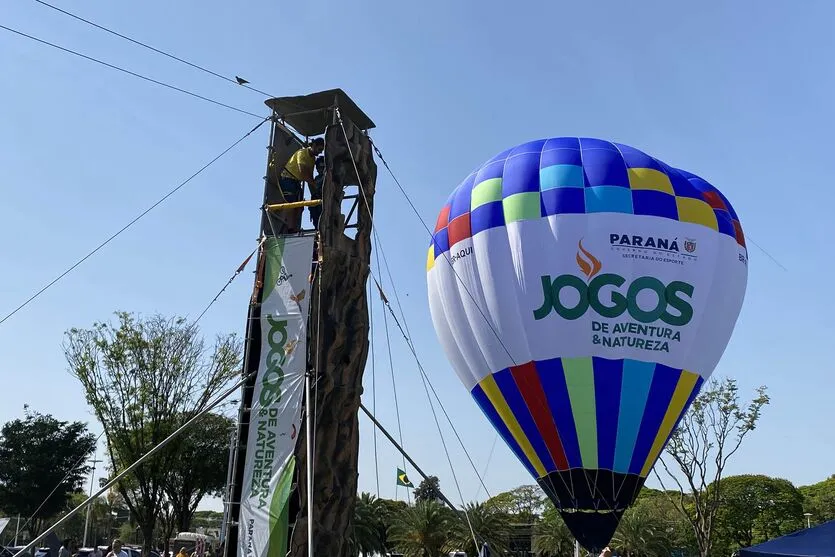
<point>429,489</point>
<point>38,453</point>
<point>144,377</point>
<point>523,504</point>
<point>755,508</point>
<point>819,500</point>
<point>199,467</point>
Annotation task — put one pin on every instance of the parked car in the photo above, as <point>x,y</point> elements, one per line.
<point>91,552</point>
<point>10,551</point>
<point>134,551</point>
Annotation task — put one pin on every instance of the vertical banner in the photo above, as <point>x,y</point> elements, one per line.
<point>276,402</point>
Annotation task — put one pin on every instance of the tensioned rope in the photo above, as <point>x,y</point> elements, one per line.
<point>568,487</point>
<point>379,286</point>
<point>237,80</point>
<point>427,384</point>
<point>424,376</point>
<point>238,271</point>
<point>449,460</point>
<point>393,441</point>
<point>129,72</point>
<point>379,245</point>
<point>446,254</point>
<point>208,408</point>
<point>487,464</point>
<point>408,338</point>
<point>374,390</point>
<point>467,290</point>
<point>131,223</point>
<point>51,493</point>
<point>393,380</point>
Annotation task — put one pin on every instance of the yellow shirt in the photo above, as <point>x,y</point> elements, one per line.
<point>300,165</point>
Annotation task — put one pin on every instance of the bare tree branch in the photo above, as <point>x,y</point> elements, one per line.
<point>707,437</point>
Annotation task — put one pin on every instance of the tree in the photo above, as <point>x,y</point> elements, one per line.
<point>523,504</point>
<point>423,530</point>
<point>709,435</point>
<point>367,535</point>
<point>390,512</point>
<point>643,531</point>
<point>677,530</point>
<point>38,454</point>
<point>429,489</point>
<point>207,519</point>
<point>167,524</point>
<point>489,524</point>
<point>199,468</point>
<point>551,537</point>
<point>143,379</point>
<point>756,508</point>
<point>99,520</point>
<point>819,500</point>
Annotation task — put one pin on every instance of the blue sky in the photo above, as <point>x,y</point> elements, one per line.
<point>738,92</point>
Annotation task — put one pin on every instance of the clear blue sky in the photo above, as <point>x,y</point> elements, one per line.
<point>738,92</point>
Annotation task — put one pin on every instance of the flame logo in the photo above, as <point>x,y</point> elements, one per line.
<point>590,265</point>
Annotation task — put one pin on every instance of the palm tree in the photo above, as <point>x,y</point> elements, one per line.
<point>423,530</point>
<point>489,524</point>
<point>551,537</point>
<point>366,536</point>
<point>642,532</point>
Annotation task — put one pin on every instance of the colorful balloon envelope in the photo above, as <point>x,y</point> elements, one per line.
<point>583,292</point>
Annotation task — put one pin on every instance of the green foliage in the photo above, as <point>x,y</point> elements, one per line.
<point>389,512</point>
<point>551,537</point>
<point>381,524</point>
<point>489,524</point>
<point>36,453</point>
<point>758,507</point>
<point>199,467</point>
<point>423,530</point>
<point>207,519</point>
<point>128,533</point>
<point>368,535</point>
<point>708,436</point>
<point>819,500</point>
<point>428,490</point>
<point>523,504</point>
<point>100,520</point>
<point>144,377</point>
<point>661,505</point>
<point>753,509</point>
<point>644,531</point>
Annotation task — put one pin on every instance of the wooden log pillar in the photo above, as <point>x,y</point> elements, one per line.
<point>339,328</point>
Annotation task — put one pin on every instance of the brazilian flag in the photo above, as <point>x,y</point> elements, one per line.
<point>403,479</point>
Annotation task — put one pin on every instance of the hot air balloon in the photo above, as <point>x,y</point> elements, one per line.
<point>583,292</point>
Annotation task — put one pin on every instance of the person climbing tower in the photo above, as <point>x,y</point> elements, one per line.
<point>284,185</point>
<point>297,170</point>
